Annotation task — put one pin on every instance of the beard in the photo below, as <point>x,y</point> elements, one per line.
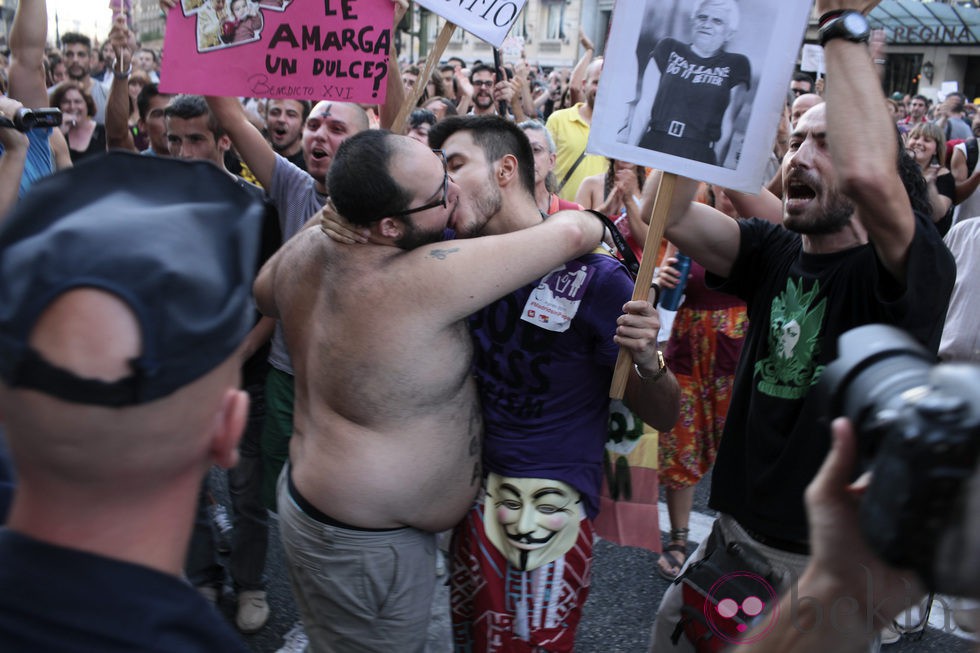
<point>478,208</point>
<point>286,142</point>
<point>483,100</point>
<point>416,237</point>
<point>488,203</point>
<point>834,214</point>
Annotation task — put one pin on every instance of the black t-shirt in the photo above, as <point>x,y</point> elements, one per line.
<point>798,304</point>
<point>695,90</point>
<point>256,367</point>
<point>297,160</point>
<point>96,145</point>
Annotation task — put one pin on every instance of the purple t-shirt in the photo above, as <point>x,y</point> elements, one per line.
<point>545,392</point>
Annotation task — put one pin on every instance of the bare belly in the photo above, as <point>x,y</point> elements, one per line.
<point>424,475</point>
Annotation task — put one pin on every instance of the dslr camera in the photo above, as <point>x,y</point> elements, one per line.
<point>918,432</point>
<point>27,119</point>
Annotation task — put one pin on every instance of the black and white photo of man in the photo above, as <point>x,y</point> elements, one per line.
<point>692,92</point>
<point>692,88</point>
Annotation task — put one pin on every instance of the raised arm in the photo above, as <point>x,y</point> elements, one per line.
<point>765,205</point>
<point>264,283</point>
<point>863,146</point>
<point>462,77</point>
<point>28,36</point>
<point>708,236</point>
<point>59,150</point>
<point>255,151</point>
<point>15,146</point>
<point>577,81</point>
<point>395,92</point>
<point>517,86</point>
<point>462,276</point>
<point>117,112</point>
<point>966,183</point>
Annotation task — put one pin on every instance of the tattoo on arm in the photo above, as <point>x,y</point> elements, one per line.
<point>441,254</point>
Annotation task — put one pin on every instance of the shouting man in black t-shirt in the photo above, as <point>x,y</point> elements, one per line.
<point>850,251</point>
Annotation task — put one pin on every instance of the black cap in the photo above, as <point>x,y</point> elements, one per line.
<point>176,241</point>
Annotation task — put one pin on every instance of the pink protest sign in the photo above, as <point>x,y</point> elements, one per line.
<point>302,49</point>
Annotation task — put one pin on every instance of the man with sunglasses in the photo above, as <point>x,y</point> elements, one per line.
<point>386,449</point>
<point>488,93</point>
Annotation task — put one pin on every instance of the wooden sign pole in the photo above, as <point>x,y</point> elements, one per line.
<point>399,126</point>
<point>641,291</point>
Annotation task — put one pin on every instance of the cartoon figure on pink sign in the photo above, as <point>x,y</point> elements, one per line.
<point>227,23</point>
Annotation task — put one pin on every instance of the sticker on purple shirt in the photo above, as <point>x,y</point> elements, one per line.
<point>555,301</point>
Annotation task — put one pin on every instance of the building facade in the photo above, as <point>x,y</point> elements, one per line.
<point>148,22</point>
<point>932,47</point>
<point>546,32</point>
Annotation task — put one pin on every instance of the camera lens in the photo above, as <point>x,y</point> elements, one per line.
<point>25,120</point>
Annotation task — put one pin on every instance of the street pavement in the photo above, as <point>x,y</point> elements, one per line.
<point>623,600</point>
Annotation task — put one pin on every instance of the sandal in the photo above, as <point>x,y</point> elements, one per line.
<point>674,554</point>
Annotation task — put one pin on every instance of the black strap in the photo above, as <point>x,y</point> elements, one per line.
<point>629,258</point>
<point>571,171</point>
<point>35,373</point>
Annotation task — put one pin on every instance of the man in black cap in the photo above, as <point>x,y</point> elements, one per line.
<point>121,318</point>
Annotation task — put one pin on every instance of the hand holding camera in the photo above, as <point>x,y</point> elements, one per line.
<point>24,120</point>
<point>918,432</point>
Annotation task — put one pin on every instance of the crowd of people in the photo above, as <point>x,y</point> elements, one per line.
<point>421,368</point>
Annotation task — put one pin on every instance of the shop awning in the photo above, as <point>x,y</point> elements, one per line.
<point>932,23</point>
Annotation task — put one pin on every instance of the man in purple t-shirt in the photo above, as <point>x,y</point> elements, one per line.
<point>543,360</point>
<point>544,357</point>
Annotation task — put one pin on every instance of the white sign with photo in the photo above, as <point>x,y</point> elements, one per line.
<point>697,87</point>
<point>489,20</point>
<point>811,59</point>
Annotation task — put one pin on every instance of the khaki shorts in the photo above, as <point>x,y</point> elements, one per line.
<point>358,590</point>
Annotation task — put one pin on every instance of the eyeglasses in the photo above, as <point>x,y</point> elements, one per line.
<point>445,190</point>
<point>798,91</point>
<point>483,82</point>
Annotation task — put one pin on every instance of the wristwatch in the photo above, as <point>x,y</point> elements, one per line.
<point>661,369</point>
<point>850,25</point>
